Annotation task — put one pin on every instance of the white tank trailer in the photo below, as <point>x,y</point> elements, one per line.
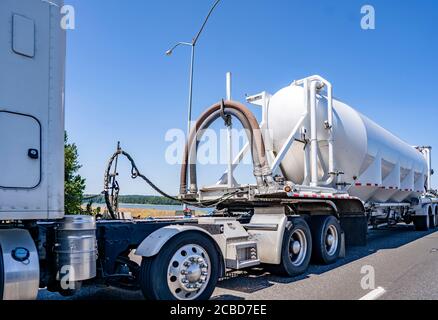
<point>324,174</point>
<point>377,166</point>
<point>336,146</point>
<point>315,142</point>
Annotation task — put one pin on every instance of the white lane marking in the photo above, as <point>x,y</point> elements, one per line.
<point>374,295</point>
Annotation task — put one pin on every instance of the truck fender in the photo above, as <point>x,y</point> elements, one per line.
<point>152,245</point>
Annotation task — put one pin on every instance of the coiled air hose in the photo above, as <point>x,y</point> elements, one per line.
<point>110,183</point>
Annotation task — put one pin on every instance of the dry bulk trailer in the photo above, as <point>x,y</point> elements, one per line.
<point>376,165</point>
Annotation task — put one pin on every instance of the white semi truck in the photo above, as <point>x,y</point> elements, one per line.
<point>324,174</point>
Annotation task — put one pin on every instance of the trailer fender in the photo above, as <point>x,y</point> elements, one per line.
<point>152,245</point>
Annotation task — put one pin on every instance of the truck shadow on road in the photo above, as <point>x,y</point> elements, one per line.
<point>251,281</point>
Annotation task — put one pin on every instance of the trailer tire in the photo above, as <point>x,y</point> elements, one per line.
<point>162,276</point>
<point>436,216</point>
<point>326,234</point>
<point>422,223</point>
<point>296,250</point>
<point>433,223</point>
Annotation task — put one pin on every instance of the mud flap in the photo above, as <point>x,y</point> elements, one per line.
<point>355,228</point>
<point>342,253</point>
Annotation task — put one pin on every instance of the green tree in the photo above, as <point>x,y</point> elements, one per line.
<point>74,183</point>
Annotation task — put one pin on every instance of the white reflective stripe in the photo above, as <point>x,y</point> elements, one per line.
<point>374,295</point>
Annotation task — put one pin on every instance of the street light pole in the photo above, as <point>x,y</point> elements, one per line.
<point>192,66</point>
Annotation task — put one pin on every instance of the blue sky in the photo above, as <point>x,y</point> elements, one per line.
<point>121,86</point>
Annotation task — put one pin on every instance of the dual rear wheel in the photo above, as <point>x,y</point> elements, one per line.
<point>301,243</point>
<point>427,222</point>
<point>326,233</point>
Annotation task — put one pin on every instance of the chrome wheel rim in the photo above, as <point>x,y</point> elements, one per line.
<point>189,272</point>
<point>331,240</point>
<point>298,247</point>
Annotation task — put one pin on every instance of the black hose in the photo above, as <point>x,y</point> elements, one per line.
<point>135,173</point>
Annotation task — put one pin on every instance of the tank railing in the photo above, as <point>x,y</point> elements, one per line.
<point>317,83</point>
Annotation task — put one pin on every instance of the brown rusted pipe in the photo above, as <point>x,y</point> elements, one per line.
<point>258,141</point>
<point>207,123</point>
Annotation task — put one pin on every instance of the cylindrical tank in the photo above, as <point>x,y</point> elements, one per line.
<point>76,248</point>
<point>377,165</point>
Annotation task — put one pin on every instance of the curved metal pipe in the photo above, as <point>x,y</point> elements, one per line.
<point>208,122</point>
<point>245,115</point>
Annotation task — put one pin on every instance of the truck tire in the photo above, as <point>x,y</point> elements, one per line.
<point>296,250</point>
<point>433,221</point>
<point>186,268</point>
<point>436,216</point>
<point>326,234</point>
<point>422,223</point>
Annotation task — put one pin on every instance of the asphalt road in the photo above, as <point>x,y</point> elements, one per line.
<point>404,262</point>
